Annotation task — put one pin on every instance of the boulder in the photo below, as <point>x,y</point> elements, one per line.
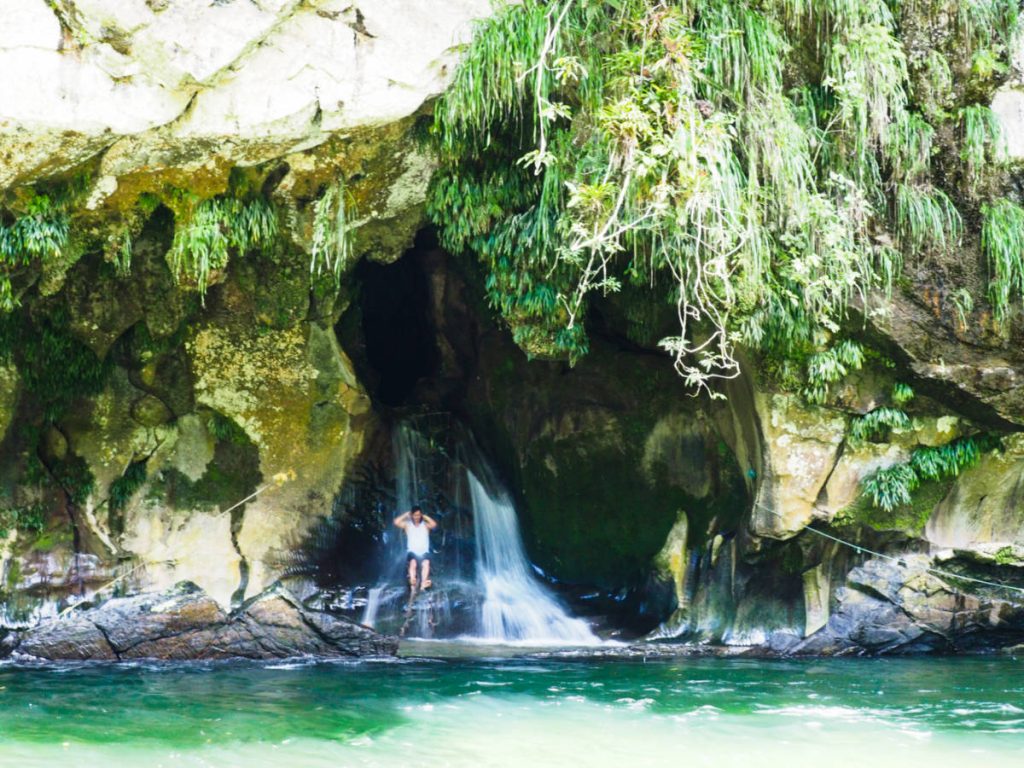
<point>185,623</point>
<point>74,638</point>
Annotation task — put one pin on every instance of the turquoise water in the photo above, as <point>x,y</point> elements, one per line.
<point>518,711</point>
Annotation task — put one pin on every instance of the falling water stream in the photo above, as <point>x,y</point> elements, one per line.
<point>517,607</point>
<point>499,585</point>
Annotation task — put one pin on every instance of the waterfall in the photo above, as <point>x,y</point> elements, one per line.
<point>411,453</point>
<point>439,466</point>
<point>372,605</point>
<point>517,607</point>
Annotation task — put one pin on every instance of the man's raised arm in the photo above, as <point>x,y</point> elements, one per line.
<point>431,522</point>
<point>400,520</point>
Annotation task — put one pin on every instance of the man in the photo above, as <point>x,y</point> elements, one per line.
<point>417,527</point>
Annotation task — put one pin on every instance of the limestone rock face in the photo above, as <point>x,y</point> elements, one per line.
<point>44,576</point>
<point>176,545</point>
<point>671,563</point>
<point>294,394</point>
<point>781,582</point>
<point>154,475</point>
<point>1008,104</point>
<point>194,83</point>
<point>977,373</point>
<point>801,444</point>
<point>984,507</point>
<point>186,624</point>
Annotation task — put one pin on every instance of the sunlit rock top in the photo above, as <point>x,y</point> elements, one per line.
<point>168,82</point>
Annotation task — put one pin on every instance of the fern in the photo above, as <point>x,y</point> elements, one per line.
<point>124,487</point>
<point>8,301</point>
<point>894,486</point>
<point>206,231</point>
<point>829,366</point>
<point>41,233</point>
<point>986,23</point>
<point>587,145</point>
<point>877,424</point>
<point>901,394</point>
<point>963,302</point>
<point>1002,240</point>
<point>909,148</point>
<point>867,69</point>
<point>926,218</point>
<point>332,245</point>
<point>28,518</point>
<point>226,430</point>
<point>936,463</point>
<point>119,249</point>
<point>981,139</point>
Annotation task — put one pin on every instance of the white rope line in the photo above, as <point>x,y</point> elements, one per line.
<point>109,584</point>
<point>898,560</point>
<point>250,497</point>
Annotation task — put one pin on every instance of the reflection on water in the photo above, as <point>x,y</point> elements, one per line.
<point>498,712</point>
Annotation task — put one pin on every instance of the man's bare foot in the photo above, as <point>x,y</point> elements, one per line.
<point>427,583</point>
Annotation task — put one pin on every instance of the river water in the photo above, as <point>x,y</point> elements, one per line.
<point>518,711</point>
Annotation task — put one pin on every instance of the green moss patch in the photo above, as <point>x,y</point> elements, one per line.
<point>906,518</point>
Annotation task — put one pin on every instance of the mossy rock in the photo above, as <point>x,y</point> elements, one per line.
<point>150,411</point>
<point>910,519</point>
<point>230,476</point>
<point>279,287</point>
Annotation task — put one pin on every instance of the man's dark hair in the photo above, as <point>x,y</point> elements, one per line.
<point>417,508</point>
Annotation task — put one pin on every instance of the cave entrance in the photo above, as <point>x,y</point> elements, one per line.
<point>396,325</point>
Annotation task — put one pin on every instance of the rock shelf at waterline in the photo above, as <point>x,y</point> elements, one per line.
<point>185,624</point>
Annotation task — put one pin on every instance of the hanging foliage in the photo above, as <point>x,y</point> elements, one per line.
<point>697,150</point>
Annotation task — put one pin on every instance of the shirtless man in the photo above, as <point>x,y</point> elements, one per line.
<point>417,527</point>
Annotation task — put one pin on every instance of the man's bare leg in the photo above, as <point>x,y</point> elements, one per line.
<point>426,574</point>
<point>412,573</point>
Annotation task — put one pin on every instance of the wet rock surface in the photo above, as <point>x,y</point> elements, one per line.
<point>187,624</point>
<point>902,607</point>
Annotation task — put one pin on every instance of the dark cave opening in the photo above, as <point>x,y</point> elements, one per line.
<point>399,343</point>
<point>425,344</point>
